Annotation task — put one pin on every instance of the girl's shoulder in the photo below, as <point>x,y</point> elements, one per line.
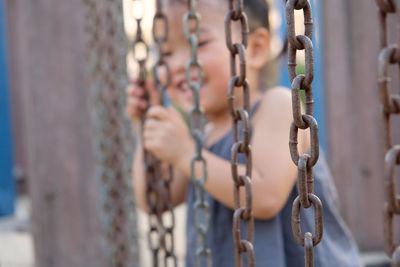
<point>275,102</point>
<point>276,93</point>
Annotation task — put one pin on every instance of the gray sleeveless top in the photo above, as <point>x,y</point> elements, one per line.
<point>273,243</point>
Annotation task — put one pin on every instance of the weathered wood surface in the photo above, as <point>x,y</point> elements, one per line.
<point>47,43</point>
<point>356,154</point>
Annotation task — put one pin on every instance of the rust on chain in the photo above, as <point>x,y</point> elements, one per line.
<point>242,116</point>
<point>314,141</point>
<point>290,22</point>
<point>296,102</point>
<point>307,45</point>
<point>239,50</point>
<point>308,249</point>
<point>194,79</point>
<point>244,25</point>
<point>243,215</point>
<point>306,161</point>
<point>387,57</point>
<point>387,6</point>
<point>158,176</point>
<point>231,100</point>
<point>236,6</point>
<point>388,220</point>
<point>296,220</point>
<point>151,165</point>
<point>392,205</point>
<point>165,177</point>
<point>305,181</point>
<point>392,160</point>
<point>390,101</point>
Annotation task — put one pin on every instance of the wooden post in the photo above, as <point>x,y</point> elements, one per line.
<point>353,113</point>
<point>47,46</point>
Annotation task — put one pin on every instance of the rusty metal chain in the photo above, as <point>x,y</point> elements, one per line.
<point>194,79</point>
<point>164,176</point>
<point>241,133</point>
<point>140,48</point>
<point>304,162</point>
<point>390,101</point>
<point>107,81</point>
<point>140,51</point>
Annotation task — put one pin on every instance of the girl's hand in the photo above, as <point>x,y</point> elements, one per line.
<point>167,136</point>
<point>136,100</point>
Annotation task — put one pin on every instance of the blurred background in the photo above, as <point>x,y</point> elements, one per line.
<point>66,147</point>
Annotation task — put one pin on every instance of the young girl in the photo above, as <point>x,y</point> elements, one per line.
<point>166,135</point>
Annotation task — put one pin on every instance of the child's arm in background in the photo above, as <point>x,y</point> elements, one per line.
<point>274,173</point>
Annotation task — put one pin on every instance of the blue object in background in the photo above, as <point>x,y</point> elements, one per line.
<point>7,182</point>
<point>319,72</point>
<point>318,83</point>
<point>284,78</point>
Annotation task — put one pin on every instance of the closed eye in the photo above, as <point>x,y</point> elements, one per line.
<point>168,53</point>
<point>204,42</point>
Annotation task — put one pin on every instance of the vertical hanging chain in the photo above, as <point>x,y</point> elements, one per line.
<point>140,53</point>
<point>241,134</point>
<point>164,176</point>
<point>390,101</point>
<point>194,79</point>
<point>304,162</point>
<point>140,48</point>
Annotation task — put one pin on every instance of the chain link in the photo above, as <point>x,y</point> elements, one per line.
<point>194,79</point>
<point>140,48</point>
<point>164,174</point>
<point>241,129</point>
<point>390,101</point>
<point>151,165</point>
<point>304,162</point>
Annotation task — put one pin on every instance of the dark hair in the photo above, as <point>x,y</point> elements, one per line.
<point>258,13</point>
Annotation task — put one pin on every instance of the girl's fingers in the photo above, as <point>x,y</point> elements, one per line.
<point>137,104</point>
<point>151,139</point>
<point>134,90</point>
<point>151,125</point>
<point>158,113</point>
<point>135,107</point>
<point>137,91</point>
<point>151,145</point>
<point>149,89</point>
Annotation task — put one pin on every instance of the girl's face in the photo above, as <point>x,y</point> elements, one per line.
<point>212,54</point>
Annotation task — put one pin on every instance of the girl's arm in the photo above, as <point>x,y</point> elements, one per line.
<point>274,173</point>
